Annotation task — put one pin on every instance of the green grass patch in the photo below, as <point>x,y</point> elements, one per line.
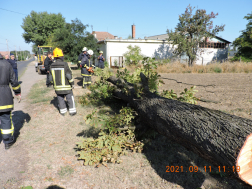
<point>217,69</point>
<point>38,93</point>
<point>65,171</point>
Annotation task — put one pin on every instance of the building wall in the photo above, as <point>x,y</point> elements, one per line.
<point>158,50</point>
<point>209,55</point>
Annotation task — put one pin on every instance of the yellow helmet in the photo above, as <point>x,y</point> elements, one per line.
<point>101,52</point>
<point>57,52</point>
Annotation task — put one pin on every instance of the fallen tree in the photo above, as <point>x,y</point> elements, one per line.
<point>216,136</point>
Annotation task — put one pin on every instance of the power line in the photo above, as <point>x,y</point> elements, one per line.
<point>13,11</point>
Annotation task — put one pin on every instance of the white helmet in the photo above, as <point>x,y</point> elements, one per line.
<point>84,49</point>
<point>90,52</point>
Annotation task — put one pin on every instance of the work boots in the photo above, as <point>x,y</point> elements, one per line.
<point>8,145</point>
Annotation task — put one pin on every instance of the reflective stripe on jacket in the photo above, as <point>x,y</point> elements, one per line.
<point>61,77</point>
<point>7,76</point>
<point>85,62</point>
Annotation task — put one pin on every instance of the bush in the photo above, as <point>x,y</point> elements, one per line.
<point>217,70</point>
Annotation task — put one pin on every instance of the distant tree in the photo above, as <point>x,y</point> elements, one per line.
<point>39,26</point>
<point>72,38</point>
<point>244,42</point>
<point>191,30</point>
<point>133,56</point>
<point>129,37</point>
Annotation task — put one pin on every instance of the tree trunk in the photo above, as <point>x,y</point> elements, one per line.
<point>212,134</point>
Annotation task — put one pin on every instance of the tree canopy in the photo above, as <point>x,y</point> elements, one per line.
<point>244,42</point>
<point>192,29</point>
<point>72,38</point>
<point>39,26</point>
<point>133,56</point>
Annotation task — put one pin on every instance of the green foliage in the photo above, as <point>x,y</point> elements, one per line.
<point>72,37</point>
<point>169,94</point>
<point>39,26</point>
<point>106,64</point>
<point>133,56</point>
<point>149,69</point>
<point>101,90</point>
<point>111,143</point>
<point>186,96</point>
<point>27,187</point>
<point>244,42</point>
<point>217,69</point>
<point>191,30</point>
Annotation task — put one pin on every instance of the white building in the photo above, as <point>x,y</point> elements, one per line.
<point>215,49</point>
<point>113,49</point>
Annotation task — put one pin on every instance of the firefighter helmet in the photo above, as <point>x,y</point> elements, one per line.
<point>101,52</point>
<point>90,52</point>
<point>57,52</point>
<point>84,49</point>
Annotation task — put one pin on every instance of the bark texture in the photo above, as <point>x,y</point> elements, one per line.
<point>212,134</point>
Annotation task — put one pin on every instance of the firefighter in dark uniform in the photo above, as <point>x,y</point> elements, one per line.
<point>82,54</point>
<point>48,62</point>
<point>85,65</point>
<point>101,60</point>
<point>13,63</point>
<point>62,79</point>
<point>7,76</point>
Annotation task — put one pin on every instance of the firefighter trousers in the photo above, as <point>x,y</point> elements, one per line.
<point>48,83</point>
<point>86,81</point>
<point>70,103</point>
<point>6,127</point>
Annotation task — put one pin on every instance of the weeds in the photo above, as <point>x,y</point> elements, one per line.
<point>65,171</point>
<point>186,96</point>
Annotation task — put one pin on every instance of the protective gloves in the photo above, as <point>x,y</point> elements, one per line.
<point>18,97</point>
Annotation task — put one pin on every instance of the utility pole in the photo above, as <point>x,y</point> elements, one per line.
<point>7,46</point>
<point>16,51</point>
<point>20,53</point>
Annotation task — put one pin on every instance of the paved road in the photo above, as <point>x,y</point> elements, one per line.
<point>22,65</point>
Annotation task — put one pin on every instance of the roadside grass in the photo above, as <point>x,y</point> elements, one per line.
<point>39,93</point>
<point>51,140</point>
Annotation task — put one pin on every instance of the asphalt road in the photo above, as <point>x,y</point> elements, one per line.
<point>22,66</point>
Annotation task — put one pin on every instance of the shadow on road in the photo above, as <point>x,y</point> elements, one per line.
<point>54,101</point>
<point>54,187</point>
<point>79,83</point>
<point>18,118</point>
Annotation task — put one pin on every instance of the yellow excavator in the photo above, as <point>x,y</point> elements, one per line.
<point>42,54</point>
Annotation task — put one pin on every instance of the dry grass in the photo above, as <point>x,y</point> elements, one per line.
<point>226,67</point>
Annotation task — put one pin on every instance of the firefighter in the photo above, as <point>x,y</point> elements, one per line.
<point>82,54</point>
<point>86,69</point>
<point>13,62</point>
<point>101,60</point>
<point>62,79</point>
<point>48,63</point>
<point>7,76</point>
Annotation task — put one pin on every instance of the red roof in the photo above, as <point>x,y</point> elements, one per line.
<point>103,35</point>
<point>3,53</point>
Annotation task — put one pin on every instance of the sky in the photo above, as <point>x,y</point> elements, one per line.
<point>116,17</point>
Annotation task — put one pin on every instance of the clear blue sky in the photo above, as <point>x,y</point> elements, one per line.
<point>116,17</point>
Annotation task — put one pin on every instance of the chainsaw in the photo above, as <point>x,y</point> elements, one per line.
<point>90,69</point>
